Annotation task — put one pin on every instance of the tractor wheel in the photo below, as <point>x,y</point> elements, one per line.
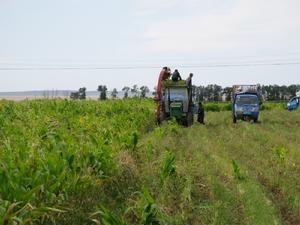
<point>189,120</point>
<point>234,119</point>
<point>247,118</point>
<point>158,121</point>
<point>161,118</point>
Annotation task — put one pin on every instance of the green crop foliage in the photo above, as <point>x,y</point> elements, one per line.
<point>51,149</point>
<point>146,209</point>
<point>168,166</point>
<point>106,218</point>
<point>107,162</point>
<point>281,153</point>
<point>237,171</point>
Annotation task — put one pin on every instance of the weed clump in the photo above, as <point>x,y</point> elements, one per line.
<point>237,171</point>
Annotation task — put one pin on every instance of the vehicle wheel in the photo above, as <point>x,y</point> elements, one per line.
<point>190,119</point>
<point>234,119</point>
<point>161,118</point>
<point>255,120</point>
<point>184,122</point>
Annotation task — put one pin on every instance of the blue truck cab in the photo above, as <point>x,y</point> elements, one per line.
<point>293,104</point>
<point>245,103</point>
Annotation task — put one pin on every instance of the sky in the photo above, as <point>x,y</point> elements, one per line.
<point>125,42</point>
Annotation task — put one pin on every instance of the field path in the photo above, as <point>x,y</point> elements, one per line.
<point>241,174</point>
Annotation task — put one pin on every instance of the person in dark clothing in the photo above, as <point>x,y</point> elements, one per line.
<point>189,80</point>
<point>188,83</point>
<point>176,76</point>
<point>201,113</point>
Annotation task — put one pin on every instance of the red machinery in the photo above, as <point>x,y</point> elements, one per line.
<point>164,74</point>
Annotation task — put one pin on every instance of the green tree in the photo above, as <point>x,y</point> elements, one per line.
<point>102,89</point>
<point>217,92</point>
<point>228,93</point>
<point>74,95</point>
<point>213,92</point>
<point>154,92</point>
<point>292,89</point>
<point>126,90</point>
<point>199,93</point>
<point>114,93</point>
<point>82,93</point>
<point>284,94</point>
<point>135,90</point>
<point>144,90</point>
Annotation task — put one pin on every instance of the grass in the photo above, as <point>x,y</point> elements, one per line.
<point>65,162</point>
<point>227,106</point>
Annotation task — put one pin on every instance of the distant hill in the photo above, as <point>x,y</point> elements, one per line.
<point>46,93</point>
<point>53,93</point>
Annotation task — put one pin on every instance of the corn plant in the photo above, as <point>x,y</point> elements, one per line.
<point>106,218</point>
<point>168,167</point>
<point>147,211</point>
<point>236,171</point>
<point>51,149</point>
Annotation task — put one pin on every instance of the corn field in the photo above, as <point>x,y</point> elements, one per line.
<point>108,163</point>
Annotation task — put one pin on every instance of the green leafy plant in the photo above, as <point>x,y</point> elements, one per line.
<point>168,167</point>
<point>146,210</point>
<point>106,218</point>
<point>281,153</point>
<point>236,171</point>
<point>51,149</point>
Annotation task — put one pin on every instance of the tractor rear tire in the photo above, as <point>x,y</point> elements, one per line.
<point>161,118</point>
<point>233,119</point>
<point>189,120</point>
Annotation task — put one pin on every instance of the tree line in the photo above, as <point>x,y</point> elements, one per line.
<point>214,92</point>
<point>133,91</point>
<point>209,93</point>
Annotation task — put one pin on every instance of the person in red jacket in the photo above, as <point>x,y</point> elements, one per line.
<point>164,75</point>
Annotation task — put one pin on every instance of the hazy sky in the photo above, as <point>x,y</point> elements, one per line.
<point>142,33</point>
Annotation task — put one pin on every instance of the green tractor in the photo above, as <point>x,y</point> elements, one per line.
<point>176,102</point>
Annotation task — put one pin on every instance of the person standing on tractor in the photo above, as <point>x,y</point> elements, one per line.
<point>188,83</point>
<point>189,80</point>
<point>201,113</point>
<point>176,76</point>
<point>166,74</point>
